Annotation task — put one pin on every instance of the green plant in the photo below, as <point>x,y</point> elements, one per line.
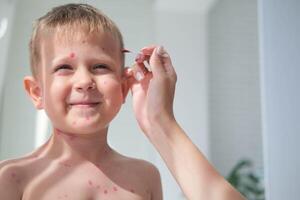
<point>246,181</point>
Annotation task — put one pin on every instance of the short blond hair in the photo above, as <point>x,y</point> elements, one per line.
<point>71,16</point>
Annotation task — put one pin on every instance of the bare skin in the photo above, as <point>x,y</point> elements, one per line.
<point>81,88</point>
<point>53,173</point>
<point>153,106</point>
<point>77,163</point>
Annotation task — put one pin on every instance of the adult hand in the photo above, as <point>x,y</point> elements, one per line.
<point>152,90</point>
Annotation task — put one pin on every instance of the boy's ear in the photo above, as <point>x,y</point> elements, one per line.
<point>34,90</point>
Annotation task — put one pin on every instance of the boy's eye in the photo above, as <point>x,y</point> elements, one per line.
<point>100,66</point>
<point>62,67</point>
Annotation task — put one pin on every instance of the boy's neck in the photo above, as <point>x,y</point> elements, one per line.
<point>93,147</point>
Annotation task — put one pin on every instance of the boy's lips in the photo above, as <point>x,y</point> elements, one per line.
<point>85,103</point>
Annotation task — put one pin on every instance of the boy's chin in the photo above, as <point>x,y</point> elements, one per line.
<point>87,130</point>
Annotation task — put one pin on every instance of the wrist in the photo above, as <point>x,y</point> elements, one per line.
<point>162,127</point>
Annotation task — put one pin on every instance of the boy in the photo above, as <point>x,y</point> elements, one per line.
<point>79,80</point>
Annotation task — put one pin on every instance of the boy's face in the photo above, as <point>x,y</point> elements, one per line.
<point>81,82</point>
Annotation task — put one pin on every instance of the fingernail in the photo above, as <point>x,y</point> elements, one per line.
<point>139,76</point>
<point>139,58</point>
<point>162,52</point>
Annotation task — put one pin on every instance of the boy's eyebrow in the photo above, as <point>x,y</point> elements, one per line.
<point>71,56</point>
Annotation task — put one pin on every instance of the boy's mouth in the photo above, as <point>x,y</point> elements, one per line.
<point>85,104</point>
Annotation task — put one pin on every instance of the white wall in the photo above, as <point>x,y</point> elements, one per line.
<point>234,87</point>
<point>6,19</point>
<point>280,69</point>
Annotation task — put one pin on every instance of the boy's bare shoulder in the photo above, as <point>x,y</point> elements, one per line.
<point>144,172</point>
<point>136,165</point>
<point>12,178</point>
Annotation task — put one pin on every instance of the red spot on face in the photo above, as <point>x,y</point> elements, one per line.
<point>87,118</point>
<point>115,188</point>
<point>72,55</point>
<point>104,82</point>
<point>83,41</point>
<point>66,196</point>
<point>98,187</point>
<point>105,191</point>
<point>74,123</point>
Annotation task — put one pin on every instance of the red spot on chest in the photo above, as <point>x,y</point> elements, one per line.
<point>13,174</point>
<point>90,183</point>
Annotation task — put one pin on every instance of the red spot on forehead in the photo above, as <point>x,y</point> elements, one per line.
<point>115,188</point>
<point>105,191</point>
<point>90,183</point>
<point>72,55</point>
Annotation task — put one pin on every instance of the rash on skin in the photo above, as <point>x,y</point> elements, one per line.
<point>132,190</point>
<point>90,183</point>
<point>72,55</point>
<point>13,175</point>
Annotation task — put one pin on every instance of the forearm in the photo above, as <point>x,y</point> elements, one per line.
<point>195,175</point>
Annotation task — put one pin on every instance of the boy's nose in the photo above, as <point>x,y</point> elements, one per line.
<point>84,82</point>
<point>82,87</point>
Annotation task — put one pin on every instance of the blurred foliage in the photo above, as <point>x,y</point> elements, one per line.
<point>246,181</point>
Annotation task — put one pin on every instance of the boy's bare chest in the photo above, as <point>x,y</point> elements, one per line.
<point>65,181</point>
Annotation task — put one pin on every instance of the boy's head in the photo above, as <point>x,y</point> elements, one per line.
<point>70,20</point>
<point>77,65</point>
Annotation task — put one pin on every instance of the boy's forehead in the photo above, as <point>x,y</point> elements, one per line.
<point>100,37</point>
<point>63,40</point>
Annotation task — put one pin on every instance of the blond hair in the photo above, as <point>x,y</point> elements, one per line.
<point>67,18</point>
